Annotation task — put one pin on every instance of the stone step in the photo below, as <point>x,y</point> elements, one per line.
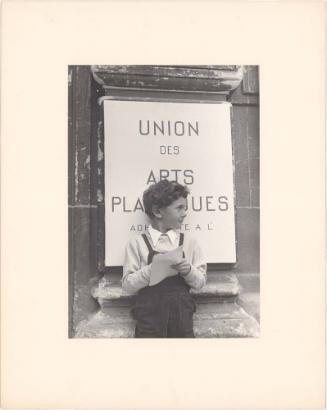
<point>227,321</point>
<point>215,320</point>
<point>219,286</point>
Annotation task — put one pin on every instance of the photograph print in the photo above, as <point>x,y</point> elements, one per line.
<point>164,201</point>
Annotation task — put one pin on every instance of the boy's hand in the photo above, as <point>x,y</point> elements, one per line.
<point>182,267</point>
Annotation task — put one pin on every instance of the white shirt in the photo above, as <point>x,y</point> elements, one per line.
<point>137,271</point>
<point>157,236</point>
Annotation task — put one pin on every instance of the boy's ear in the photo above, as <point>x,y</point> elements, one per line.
<point>156,211</point>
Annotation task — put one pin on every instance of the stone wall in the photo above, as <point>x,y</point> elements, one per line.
<point>246,146</point>
<point>82,201</point>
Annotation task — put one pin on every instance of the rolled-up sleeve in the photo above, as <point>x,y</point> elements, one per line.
<point>197,276</point>
<point>135,276</point>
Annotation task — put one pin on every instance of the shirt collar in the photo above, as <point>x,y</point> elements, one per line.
<point>155,235</point>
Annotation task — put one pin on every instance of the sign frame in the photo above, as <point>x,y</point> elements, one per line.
<point>216,98</point>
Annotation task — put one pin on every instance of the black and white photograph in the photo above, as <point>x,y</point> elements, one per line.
<point>163,177</point>
<point>164,201</point>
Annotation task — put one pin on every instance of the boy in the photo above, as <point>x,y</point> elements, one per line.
<point>165,309</point>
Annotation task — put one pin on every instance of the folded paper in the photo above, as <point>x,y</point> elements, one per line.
<point>161,265</point>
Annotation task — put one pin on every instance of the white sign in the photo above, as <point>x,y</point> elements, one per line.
<point>186,142</point>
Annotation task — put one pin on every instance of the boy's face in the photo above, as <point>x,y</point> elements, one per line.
<point>172,216</point>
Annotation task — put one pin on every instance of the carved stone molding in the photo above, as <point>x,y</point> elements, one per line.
<point>206,79</point>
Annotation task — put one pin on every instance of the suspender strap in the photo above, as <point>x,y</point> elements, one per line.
<point>181,241</point>
<point>146,240</point>
<point>152,252</point>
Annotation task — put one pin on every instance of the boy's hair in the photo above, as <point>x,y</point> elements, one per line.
<point>162,194</point>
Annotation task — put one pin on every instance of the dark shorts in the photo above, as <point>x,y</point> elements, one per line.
<point>164,315</point>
